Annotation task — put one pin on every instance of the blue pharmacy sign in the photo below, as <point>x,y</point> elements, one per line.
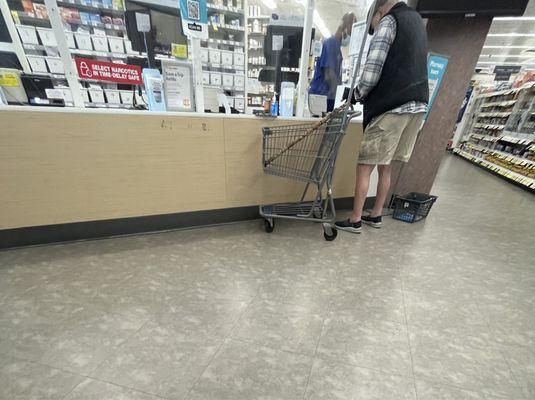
<point>194,16</point>
<point>436,68</point>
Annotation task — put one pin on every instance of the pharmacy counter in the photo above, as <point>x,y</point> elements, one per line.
<point>69,174</point>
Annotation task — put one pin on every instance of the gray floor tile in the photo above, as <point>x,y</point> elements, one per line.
<point>522,363</point>
<point>434,391</point>
<point>281,326</point>
<point>462,361</point>
<point>378,344</point>
<point>159,360</point>
<point>243,371</point>
<point>333,381</point>
<point>91,389</point>
<point>84,341</point>
<point>22,380</point>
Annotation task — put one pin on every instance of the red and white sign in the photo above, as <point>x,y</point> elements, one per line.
<point>108,71</point>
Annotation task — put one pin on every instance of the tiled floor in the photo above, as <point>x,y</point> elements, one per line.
<point>439,310</point>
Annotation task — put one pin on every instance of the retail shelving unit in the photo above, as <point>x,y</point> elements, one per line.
<point>501,135</point>
<point>223,54</point>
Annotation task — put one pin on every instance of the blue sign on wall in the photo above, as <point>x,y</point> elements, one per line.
<point>436,68</point>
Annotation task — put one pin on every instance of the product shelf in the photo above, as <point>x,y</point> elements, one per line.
<point>91,6</point>
<point>224,9</point>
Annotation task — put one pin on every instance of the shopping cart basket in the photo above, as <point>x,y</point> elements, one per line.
<point>306,153</point>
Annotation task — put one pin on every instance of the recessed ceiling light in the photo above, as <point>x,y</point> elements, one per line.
<point>511,34</point>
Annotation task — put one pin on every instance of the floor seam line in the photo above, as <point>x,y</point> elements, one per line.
<point>408,336</point>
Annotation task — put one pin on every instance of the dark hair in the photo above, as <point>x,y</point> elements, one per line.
<point>348,19</point>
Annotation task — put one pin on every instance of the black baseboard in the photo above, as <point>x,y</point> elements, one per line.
<point>37,235</point>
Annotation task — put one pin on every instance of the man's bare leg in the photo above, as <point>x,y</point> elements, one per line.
<point>383,186</point>
<point>361,190</point>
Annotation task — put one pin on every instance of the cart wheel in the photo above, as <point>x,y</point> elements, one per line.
<point>329,233</point>
<point>269,225</point>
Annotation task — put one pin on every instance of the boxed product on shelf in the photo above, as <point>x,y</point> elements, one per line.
<point>55,65</point>
<point>70,40</point>
<point>70,14</point>
<point>85,17</point>
<point>96,95</point>
<point>128,47</point>
<point>112,95</point>
<point>118,4</point>
<point>40,11</point>
<point>116,44</point>
<point>107,20</point>
<point>107,3</point>
<point>214,56</point>
<point>67,94</point>
<point>27,6</point>
<point>47,37</point>
<point>239,103</point>
<point>215,78</point>
<point>37,64</point>
<point>127,97</point>
<point>204,55</point>
<point>205,78</point>
<point>83,41</point>
<point>239,81</point>
<point>226,57</point>
<point>239,59</point>
<point>85,95</point>
<point>28,34</point>
<point>228,80</point>
<point>95,18</point>
<point>118,21</point>
<point>100,43</point>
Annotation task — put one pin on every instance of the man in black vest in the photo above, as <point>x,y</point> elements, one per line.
<point>394,90</point>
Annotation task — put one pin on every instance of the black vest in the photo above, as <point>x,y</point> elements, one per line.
<point>404,76</point>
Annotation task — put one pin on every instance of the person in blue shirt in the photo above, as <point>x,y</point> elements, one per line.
<point>328,72</point>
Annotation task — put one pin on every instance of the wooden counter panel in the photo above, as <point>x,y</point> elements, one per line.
<point>73,167</point>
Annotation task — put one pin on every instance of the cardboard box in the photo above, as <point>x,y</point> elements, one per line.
<point>239,103</point>
<point>67,94</point>
<point>28,34</point>
<point>55,65</point>
<point>228,80</point>
<point>215,78</point>
<point>83,41</point>
<point>37,63</point>
<point>47,37</point>
<point>226,57</point>
<point>116,44</point>
<point>239,81</point>
<point>113,96</point>
<point>100,43</point>
<point>85,95</point>
<point>214,56</point>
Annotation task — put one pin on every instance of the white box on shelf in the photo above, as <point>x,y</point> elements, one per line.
<point>128,47</point>
<point>85,95</point>
<point>67,94</point>
<point>127,97</point>
<point>83,41</point>
<point>70,40</point>
<point>228,80</point>
<point>215,78</point>
<point>239,103</point>
<point>239,59</point>
<point>100,43</point>
<point>214,56</point>
<point>116,44</point>
<point>226,57</point>
<point>113,96</point>
<point>239,81</point>
<point>47,37</point>
<point>28,34</point>
<point>37,63</point>
<point>205,78</point>
<point>231,102</point>
<point>55,65</point>
<point>204,55</point>
<point>96,95</point>
<point>141,99</point>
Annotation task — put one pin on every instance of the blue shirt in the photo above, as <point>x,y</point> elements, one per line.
<point>331,57</point>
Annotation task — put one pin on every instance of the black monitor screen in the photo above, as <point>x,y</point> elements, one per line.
<point>289,55</point>
<point>166,29</point>
<point>434,8</point>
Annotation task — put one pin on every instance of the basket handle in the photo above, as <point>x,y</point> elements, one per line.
<point>313,128</point>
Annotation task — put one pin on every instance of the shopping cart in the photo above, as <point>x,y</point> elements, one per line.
<point>307,153</point>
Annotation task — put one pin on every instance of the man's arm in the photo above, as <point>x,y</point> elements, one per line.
<point>385,34</point>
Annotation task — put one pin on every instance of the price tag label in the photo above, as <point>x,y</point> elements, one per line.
<point>179,50</point>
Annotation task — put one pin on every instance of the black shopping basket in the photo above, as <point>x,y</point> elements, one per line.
<point>413,206</point>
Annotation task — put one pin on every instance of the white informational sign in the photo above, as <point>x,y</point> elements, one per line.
<point>277,42</point>
<point>358,33</point>
<point>317,48</point>
<point>178,85</point>
<point>142,22</point>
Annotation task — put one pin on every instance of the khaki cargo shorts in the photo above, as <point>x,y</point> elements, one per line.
<point>390,137</point>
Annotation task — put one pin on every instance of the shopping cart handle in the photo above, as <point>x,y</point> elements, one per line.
<point>354,114</point>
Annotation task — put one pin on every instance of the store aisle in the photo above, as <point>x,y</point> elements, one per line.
<point>441,309</point>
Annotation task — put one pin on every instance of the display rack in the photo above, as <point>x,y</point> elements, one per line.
<point>501,135</point>
<point>223,54</point>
